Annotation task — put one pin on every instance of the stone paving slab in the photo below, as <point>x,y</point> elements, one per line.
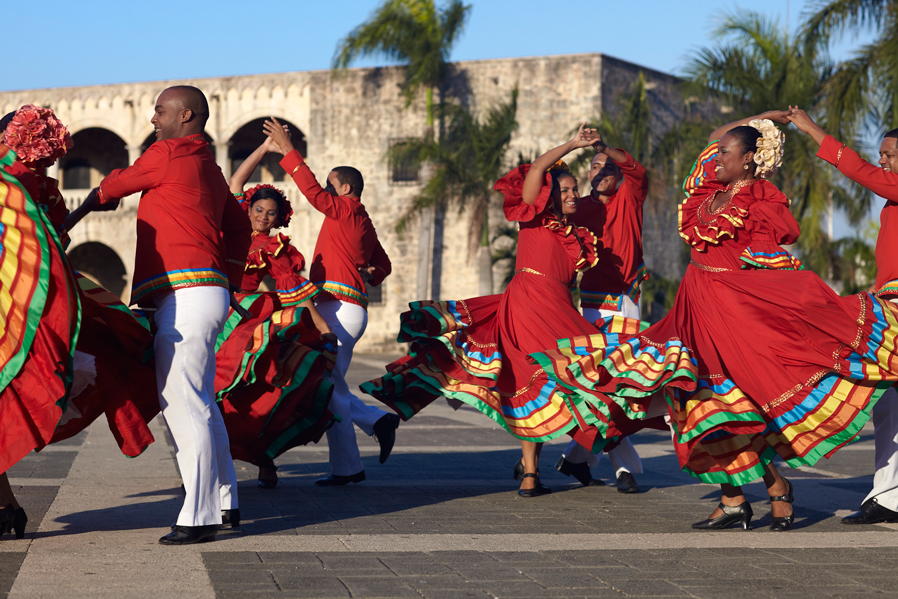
<point>441,519</point>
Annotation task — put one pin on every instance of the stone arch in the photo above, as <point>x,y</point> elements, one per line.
<point>99,263</point>
<point>96,153</point>
<point>249,137</point>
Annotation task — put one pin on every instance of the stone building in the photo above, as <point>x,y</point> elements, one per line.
<point>350,119</point>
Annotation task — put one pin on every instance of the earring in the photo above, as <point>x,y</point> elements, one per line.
<point>745,167</point>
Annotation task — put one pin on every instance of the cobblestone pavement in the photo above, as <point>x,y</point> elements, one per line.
<point>440,519</point>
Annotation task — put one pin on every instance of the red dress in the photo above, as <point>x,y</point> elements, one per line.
<point>270,371</point>
<point>476,350</point>
<point>51,312</point>
<point>758,356</point>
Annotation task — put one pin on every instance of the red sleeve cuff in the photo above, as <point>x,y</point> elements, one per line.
<point>292,161</point>
<point>104,198</point>
<point>830,150</point>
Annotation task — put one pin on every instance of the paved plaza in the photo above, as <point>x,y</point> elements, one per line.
<point>439,520</point>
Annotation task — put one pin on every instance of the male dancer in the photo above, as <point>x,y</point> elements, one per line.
<point>881,505</point>
<point>192,242</point>
<point>347,255</point>
<point>611,287</point>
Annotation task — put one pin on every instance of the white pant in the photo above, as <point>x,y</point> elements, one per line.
<point>623,457</point>
<point>885,439</point>
<point>188,322</point>
<point>348,322</point>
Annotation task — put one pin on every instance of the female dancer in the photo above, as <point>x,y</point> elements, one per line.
<point>270,370</point>
<point>476,350</point>
<point>758,356</point>
<point>71,350</point>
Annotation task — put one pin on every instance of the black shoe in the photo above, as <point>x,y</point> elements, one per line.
<point>268,483</point>
<point>188,535</point>
<point>7,515</point>
<point>336,480</point>
<point>536,491</point>
<point>871,513</point>
<point>518,471</point>
<point>385,433</point>
<point>626,483</point>
<point>579,471</point>
<point>784,523</point>
<point>15,521</point>
<point>732,514</point>
<point>230,519</point>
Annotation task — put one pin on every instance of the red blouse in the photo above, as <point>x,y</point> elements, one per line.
<point>881,183</point>
<point>44,191</point>
<point>618,225</point>
<point>190,229</point>
<point>347,240</point>
<point>746,232</point>
<point>275,256</point>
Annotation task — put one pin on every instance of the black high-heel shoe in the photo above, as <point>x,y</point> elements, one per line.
<point>537,490</point>
<point>732,514</point>
<point>268,483</point>
<point>784,523</point>
<point>518,469</point>
<point>7,515</point>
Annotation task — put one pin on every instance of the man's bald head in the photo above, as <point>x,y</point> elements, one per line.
<point>180,111</point>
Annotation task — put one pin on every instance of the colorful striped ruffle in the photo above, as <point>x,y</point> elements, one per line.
<point>700,169</point>
<point>344,292</point>
<point>179,279</point>
<point>448,359</point>
<point>297,295</point>
<point>721,435</point>
<point>888,289</point>
<point>271,380</point>
<point>777,259</point>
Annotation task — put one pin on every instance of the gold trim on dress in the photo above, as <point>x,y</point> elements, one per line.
<point>707,268</point>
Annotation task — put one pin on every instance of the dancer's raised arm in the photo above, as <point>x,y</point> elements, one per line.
<point>777,116</point>
<point>535,178</point>
<point>245,170</point>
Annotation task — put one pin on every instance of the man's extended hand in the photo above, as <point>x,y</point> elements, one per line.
<point>586,137</point>
<point>278,135</point>
<point>367,273</point>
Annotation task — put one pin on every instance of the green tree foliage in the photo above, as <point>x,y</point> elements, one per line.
<point>413,32</point>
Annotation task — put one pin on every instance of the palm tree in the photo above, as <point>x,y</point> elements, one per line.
<point>866,86</point>
<point>419,35</point>
<point>756,67</point>
<point>466,163</point>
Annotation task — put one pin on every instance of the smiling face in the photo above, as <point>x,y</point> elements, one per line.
<point>602,177</point>
<point>167,116</point>
<point>888,155</point>
<point>566,194</point>
<point>730,161</point>
<point>263,215</point>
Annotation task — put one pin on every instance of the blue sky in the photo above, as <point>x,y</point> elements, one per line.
<point>103,41</point>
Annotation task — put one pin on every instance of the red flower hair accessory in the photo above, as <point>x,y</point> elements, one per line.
<point>37,136</point>
<point>283,219</point>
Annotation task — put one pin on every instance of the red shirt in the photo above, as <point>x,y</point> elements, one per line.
<point>346,243</point>
<point>190,229</point>
<point>881,183</point>
<point>618,225</point>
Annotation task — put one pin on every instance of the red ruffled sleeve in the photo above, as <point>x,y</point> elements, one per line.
<point>578,242</point>
<point>703,171</point>
<point>771,224</point>
<point>511,187</point>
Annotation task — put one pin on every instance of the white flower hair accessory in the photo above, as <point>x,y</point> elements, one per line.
<point>769,155</point>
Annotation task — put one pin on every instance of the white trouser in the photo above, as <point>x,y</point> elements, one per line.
<point>623,457</point>
<point>885,438</point>
<point>188,322</point>
<point>348,322</point>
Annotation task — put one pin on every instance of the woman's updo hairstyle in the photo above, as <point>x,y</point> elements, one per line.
<point>763,138</point>
<point>269,192</point>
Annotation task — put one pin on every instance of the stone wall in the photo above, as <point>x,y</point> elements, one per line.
<point>352,119</point>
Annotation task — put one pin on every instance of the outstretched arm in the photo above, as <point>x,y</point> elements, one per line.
<point>805,124</point>
<point>245,170</point>
<point>777,116</point>
<point>535,178</point>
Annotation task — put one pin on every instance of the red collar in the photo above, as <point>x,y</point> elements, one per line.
<point>197,137</point>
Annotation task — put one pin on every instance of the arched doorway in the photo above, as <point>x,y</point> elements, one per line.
<point>99,263</point>
<point>249,137</point>
<point>96,153</point>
